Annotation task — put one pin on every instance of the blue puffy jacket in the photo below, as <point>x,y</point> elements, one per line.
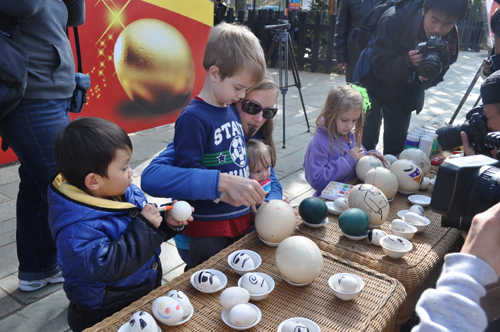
<point>109,253</point>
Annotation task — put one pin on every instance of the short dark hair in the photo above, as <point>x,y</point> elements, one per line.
<point>456,9</point>
<point>88,145</point>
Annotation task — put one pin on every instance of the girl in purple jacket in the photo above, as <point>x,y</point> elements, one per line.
<point>336,147</point>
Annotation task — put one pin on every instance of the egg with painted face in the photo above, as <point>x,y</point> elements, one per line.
<point>418,209</point>
<point>142,321</point>
<point>183,300</point>
<point>254,283</point>
<point>394,243</point>
<point>242,261</point>
<point>346,284</point>
<point>370,199</point>
<point>167,310</point>
<point>340,204</point>
<point>374,236</point>
<point>294,326</point>
<point>409,175</point>
<point>207,281</point>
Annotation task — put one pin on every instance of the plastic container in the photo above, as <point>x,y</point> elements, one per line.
<point>411,141</point>
<point>426,144</point>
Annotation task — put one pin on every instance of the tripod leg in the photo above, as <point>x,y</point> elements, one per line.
<point>296,78</point>
<point>271,48</point>
<point>469,89</point>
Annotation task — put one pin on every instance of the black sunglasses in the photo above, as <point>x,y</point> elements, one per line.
<point>252,107</point>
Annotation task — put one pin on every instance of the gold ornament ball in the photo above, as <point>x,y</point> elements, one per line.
<point>154,65</point>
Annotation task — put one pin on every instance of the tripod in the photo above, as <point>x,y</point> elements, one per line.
<point>466,95</point>
<point>282,37</point>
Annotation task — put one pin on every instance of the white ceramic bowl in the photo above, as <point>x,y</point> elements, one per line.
<point>356,238</point>
<point>323,223</point>
<point>257,260</point>
<point>332,209</point>
<point>407,192</point>
<point>403,229</point>
<point>312,326</point>
<point>342,295</point>
<point>394,254</point>
<point>271,244</point>
<point>402,213</point>
<point>420,228</point>
<point>126,328</point>
<point>294,283</point>
<point>270,282</point>
<point>222,277</point>
<point>225,318</point>
<point>184,319</point>
<point>422,200</point>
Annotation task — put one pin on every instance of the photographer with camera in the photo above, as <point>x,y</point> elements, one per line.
<point>454,304</point>
<point>415,43</point>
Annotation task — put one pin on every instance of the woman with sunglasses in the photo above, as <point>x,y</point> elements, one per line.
<point>162,179</point>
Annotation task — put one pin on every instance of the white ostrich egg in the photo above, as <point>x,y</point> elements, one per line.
<point>275,221</point>
<point>383,179</point>
<point>419,157</point>
<point>366,163</point>
<point>181,210</point>
<point>370,199</point>
<point>408,173</point>
<point>299,259</point>
<point>183,300</point>
<point>167,310</point>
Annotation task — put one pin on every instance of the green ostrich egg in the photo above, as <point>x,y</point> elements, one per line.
<point>354,221</point>
<point>313,210</point>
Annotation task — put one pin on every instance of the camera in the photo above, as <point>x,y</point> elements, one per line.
<point>436,56</point>
<point>465,187</point>
<point>476,128</point>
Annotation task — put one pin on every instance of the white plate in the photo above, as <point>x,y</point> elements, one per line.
<point>323,223</point>
<point>402,213</point>
<point>294,283</point>
<point>126,327</point>
<point>184,320</point>
<point>433,181</point>
<point>356,238</point>
<point>225,318</point>
<point>312,326</point>
<point>407,192</point>
<point>332,209</point>
<point>222,277</point>
<point>422,200</point>
<point>271,244</point>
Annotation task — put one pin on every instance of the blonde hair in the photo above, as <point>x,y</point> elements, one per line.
<point>233,47</point>
<point>340,99</point>
<point>258,151</point>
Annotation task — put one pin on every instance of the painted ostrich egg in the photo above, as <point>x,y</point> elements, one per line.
<point>142,321</point>
<point>383,179</point>
<point>275,221</point>
<point>408,173</point>
<point>299,259</point>
<point>167,310</point>
<point>370,199</point>
<point>366,163</point>
<point>419,157</point>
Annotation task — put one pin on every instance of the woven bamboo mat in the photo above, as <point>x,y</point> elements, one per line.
<point>372,310</point>
<point>412,270</point>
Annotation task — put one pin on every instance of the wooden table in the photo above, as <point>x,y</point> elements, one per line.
<point>417,270</point>
<point>374,309</point>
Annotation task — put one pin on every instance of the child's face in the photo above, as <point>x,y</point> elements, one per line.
<point>261,173</point>
<point>119,176</point>
<point>347,120</point>
<point>233,88</point>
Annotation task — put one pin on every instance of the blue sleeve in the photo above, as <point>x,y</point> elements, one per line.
<point>162,179</point>
<point>190,138</point>
<point>276,189</point>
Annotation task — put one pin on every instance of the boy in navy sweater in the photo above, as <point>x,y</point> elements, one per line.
<point>209,135</point>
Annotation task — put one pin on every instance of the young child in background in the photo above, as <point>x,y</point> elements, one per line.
<point>209,135</point>
<point>108,237</point>
<point>260,161</point>
<point>335,148</point>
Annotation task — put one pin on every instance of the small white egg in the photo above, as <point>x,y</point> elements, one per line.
<point>254,283</point>
<point>394,243</point>
<point>207,281</point>
<point>234,295</point>
<point>346,284</point>
<point>243,261</point>
<point>400,226</point>
<point>181,211</point>
<point>142,321</point>
<point>425,183</point>
<point>418,209</point>
<point>294,326</point>
<point>167,310</point>
<point>183,300</point>
<point>242,315</point>
<point>340,204</point>
<point>413,218</point>
<point>375,235</point>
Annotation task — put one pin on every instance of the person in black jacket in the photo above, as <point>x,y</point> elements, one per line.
<point>219,11</point>
<point>350,15</point>
<point>394,84</point>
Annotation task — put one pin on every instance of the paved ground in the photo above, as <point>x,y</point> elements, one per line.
<point>46,309</point>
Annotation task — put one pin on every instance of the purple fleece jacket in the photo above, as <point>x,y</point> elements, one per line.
<point>323,166</point>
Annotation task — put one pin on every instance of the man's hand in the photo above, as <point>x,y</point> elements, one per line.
<point>240,191</point>
<point>415,57</point>
<point>483,239</point>
<point>151,213</point>
<point>468,149</point>
<point>342,65</point>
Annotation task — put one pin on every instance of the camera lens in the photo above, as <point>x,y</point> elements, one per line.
<point>449,136</point>
<point>430,67</point>
<point>483,190</point>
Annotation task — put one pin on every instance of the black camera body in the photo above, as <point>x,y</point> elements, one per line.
<point>476,128</point>
<point>465,187</point>
<point>436,56</point>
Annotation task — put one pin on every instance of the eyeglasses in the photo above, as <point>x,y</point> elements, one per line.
<point>253,108</point>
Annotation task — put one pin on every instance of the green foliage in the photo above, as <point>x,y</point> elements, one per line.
<point>476,11</point>
<point>319,7</point>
